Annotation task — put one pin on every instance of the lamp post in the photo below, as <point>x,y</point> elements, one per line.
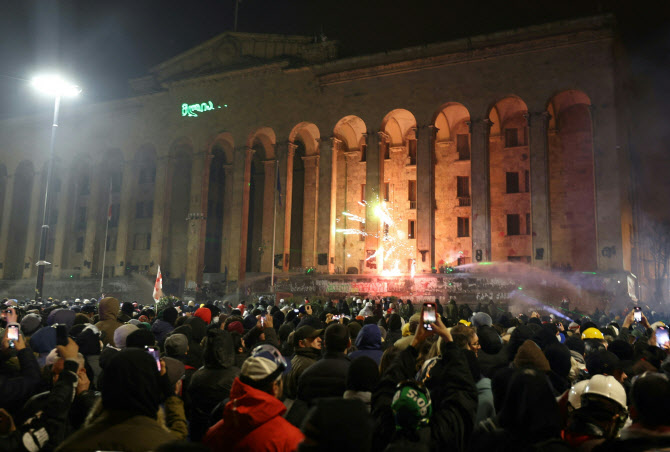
<point>57,87</point>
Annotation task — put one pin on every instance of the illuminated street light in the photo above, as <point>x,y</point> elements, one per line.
<point>57,87</point>
<point>54,85</point>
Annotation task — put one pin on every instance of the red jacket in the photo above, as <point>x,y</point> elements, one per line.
<point>252,421</point>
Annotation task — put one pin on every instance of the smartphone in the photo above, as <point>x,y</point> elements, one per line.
<point>296,310</point>
<point>336,317</point>
<point>638,314</point>
<point>12,334</point>
<point>61,335</point>
<point>662,336</point>
<point>428,315</point>
<point>262,321</point>
<point>153,351</point>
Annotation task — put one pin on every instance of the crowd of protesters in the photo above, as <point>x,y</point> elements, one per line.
<point>354,375</point>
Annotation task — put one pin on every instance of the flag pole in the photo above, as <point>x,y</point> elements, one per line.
<point>274,231</point>
<point>104,248</point>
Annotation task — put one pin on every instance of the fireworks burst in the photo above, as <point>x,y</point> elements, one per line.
<point>395,247</point>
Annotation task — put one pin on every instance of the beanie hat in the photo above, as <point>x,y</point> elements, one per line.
<point>30,324</point>
<point>411,406</point>
<point>176,344</point>
<point>44,340</point>
<point>127,308</point>
<point>61,317</point>
<point>489,339</point>
<point>170,315</point>
<point>558,356</point>
<point>121,333</point>
<point>481,319</point>
<point>236,327</point>
<point>363,374</point>
<point>602,362</point>
<point>140,338</point>
<point>205,314</point>
<point>530,355</point>
<point>88,340</point>
<point>175,370</point>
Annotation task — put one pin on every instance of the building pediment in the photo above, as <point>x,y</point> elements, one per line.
<point>232,51</point>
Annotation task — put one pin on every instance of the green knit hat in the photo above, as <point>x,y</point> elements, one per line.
<point>411,405</point>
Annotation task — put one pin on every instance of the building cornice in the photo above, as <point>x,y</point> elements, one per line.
<point>476,48</point>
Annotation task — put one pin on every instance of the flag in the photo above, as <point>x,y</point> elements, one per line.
<point>158,285</point>
<point>278,182</point>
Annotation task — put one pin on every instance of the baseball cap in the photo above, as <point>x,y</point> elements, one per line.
<point>265,365</point>
<point>305,332</point>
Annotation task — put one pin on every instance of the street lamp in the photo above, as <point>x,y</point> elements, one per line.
<point>57,87</point>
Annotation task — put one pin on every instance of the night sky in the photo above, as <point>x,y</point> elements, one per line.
<point>102,44</point>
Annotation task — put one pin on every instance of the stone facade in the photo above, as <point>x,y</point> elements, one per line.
<point>503,147</point>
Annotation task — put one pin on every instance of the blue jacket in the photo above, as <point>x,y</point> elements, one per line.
<point>369,343</point>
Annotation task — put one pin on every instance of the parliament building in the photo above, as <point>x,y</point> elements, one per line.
<point>256,150</point>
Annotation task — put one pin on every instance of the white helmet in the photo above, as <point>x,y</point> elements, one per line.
<point>575,394</point>
<point>608,387</point>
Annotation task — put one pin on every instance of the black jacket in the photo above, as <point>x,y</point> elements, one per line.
<point>49,429</point>
<point>304,358</point>
<point>17,387</point>
<point>325,378</point>
<point>453,394</point>
<point>211,383</point>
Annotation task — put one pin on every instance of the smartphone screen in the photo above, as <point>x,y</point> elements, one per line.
<point>638,314</point>
<point>13,332</point>
<point>662,336</point>
<point>61,335</point>
<point>155,353</point>
<point>428,315</point>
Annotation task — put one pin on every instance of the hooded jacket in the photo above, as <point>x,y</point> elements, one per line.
<point>108,310</point>
<point>211,383</point>
<point>252,420</point>
<point>394,330</point>
<point>369,343</point>
<point>130,398</point>
<point>161,330</point>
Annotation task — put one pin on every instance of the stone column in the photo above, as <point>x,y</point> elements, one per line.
<point>228,213</point>
<point>236,198</point>
<point>268,213</point>
<point>64,224</point>
<point>159,226</point>
<point>610,186</point>
<point>539,190</point>
<point>335,143</point>
<point>34,226</point>
<point>310,210</point>
<point>323,203</point>
<point>93,209</point>
<point>6,221</point>
<point>126,210</point>
<point>374,178</point>
<point>244,231</point>
<point>425,227</point>
<point>197,222</point>
<point>289,204</point>
<point>480,190</point>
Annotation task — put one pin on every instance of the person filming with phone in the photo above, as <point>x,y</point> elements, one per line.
<point>16,385</point>
<point>436,412</point>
